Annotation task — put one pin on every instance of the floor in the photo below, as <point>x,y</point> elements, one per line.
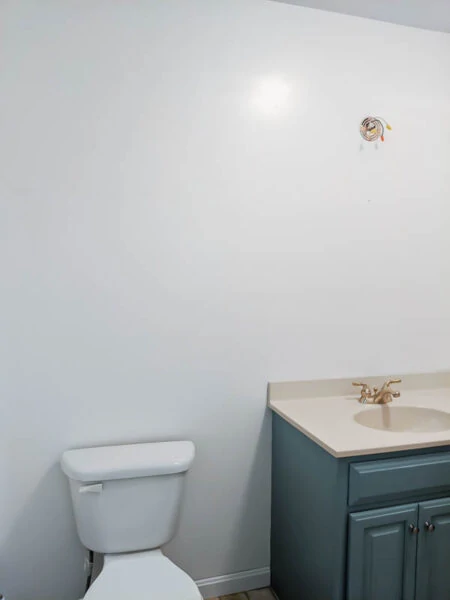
<point>264,594</point>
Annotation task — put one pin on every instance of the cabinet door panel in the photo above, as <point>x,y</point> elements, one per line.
<point>433,561</point>
<point>382,554</point>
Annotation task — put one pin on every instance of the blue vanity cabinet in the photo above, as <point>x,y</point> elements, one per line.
<point>382,549</point>
<point>341,526</point>
<point>433,561</point>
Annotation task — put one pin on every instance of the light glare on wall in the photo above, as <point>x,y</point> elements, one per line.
<point>271,96</point>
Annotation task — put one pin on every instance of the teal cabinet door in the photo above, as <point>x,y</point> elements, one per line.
<point>433,560</point>
<point>382,551</point>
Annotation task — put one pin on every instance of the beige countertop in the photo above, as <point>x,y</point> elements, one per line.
<point>329,419</point>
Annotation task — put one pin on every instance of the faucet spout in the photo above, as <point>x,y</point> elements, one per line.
<point>386,393</point>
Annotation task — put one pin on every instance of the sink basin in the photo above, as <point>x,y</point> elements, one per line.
<point>404,418</point>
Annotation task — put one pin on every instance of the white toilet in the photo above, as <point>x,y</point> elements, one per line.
<point>126,501</point>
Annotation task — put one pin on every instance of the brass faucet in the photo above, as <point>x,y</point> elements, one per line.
<point>376,396</point>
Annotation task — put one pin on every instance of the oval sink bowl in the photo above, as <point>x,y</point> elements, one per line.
<point>404,418</point>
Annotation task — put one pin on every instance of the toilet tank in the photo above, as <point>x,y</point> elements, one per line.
<point>127,498</point>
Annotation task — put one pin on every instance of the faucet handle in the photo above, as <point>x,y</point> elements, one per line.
<point>366,392</point>
<point>388,384</point>
<point>365,386</point>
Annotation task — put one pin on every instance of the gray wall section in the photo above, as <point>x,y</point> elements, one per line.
<point>425,14</point>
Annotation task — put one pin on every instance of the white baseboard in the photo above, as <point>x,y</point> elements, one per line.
<point>234,583</point>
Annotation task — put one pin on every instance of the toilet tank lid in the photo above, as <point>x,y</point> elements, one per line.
<point>127,461</point>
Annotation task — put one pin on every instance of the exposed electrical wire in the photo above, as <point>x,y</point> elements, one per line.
<point>372,128</point>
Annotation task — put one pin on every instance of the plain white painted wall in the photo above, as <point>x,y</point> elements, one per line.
<point>171,240</point>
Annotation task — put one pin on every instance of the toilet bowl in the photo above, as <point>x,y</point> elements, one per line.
<point>126,501</point>
<point>142,576</point>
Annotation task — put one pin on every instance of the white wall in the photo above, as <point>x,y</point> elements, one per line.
<point>168,245</point>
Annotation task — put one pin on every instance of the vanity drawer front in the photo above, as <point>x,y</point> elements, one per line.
<point>392,478</point>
